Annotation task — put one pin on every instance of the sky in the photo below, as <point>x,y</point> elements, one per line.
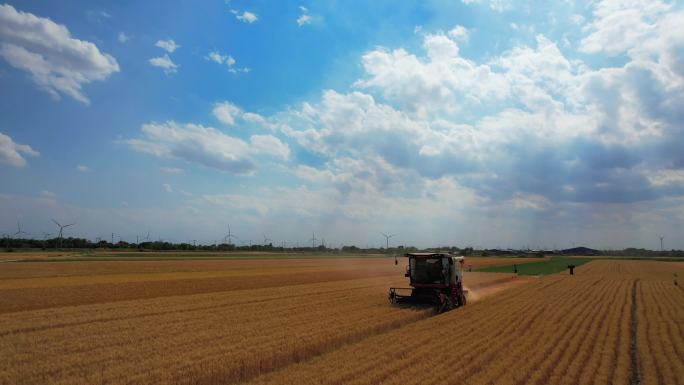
<point>469,123</point>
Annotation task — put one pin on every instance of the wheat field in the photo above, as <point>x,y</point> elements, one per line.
<point>327,321</point>
<point>615,322</point>
<point>194,322</point>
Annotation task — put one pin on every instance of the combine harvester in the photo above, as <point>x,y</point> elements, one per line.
<point>436,279</point>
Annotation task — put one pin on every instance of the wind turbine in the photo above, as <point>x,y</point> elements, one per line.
<point>387,238</point>
<point>229,237</point>
<point>19,232</point>
<point>661,242</point>
<point>61,230</point>
<point>266,239</point>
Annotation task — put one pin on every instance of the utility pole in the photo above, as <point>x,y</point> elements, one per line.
<point>313,240</point>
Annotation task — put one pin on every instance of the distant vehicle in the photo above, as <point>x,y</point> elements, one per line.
<point>435,279</point>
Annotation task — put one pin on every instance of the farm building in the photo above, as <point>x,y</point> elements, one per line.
<point>580,251</point>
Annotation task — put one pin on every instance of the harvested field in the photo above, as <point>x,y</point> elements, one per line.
<point>616,322</point>
<point>29,286</point>
<point>328,322</point>
<point>208,324</point>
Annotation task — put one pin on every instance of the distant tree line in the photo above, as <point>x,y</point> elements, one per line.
<point>10,244</point>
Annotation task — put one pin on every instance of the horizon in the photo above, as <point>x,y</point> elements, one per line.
<point>489,124</point>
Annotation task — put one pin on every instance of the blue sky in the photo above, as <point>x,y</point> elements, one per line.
<point>474,123</point>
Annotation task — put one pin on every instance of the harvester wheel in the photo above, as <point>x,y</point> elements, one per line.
<point>445,305</point>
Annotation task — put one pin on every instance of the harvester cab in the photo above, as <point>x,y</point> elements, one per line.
<point>435,278</point>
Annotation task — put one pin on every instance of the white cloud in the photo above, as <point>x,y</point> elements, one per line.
<point>123,37</point>
<point>195,143</point>
<point>165,63</point>
<point>253,117</point>
<point>666,177</point>
<point>496,5</point>
<point>228,60</point>
<point>171,170</point>
<point>167,187</point>
<point>459,32</point>
<point>82,168</point>
<point>619,26</point>
<point>245,17</point>
<point>219,58</point>
<point>530,108</point>
<point>243,70</point>
<point>303,20</point>
<point>11,152</point>
<point>442,81</point>
<point>168,45</point>
<point>269,144</point>
<point>207,146</point>
<point>57,62</point>
<point>526,133</point>
<point>226,112</point>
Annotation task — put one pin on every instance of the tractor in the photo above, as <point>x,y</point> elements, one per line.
<point>436,279</point>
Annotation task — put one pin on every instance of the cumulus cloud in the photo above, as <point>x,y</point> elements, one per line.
<point>228,113</point>
<point>219,58</point>
<point>227,60</point>
<point>459,32</point>
<point>531,139</point>
<point>57,62</point>
<point>12,153</point>
<point>167,187</point>
<point>167,45</point>
<point>619,26</point>
<point>253,118</point>
<point>546,128</point>
<point>269,145</point>
<point>245,17</point>
<point>82,168</point>
<point>207,146</point>
<point>165,63</point>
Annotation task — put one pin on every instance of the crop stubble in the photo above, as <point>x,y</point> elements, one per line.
<point>206,327</point>
<point>559,330</point>
<point>328,323</point>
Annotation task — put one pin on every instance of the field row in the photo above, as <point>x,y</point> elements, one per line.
<point>557,330</point>
<point>210,338</point>
<point>31,286</point>
<point>84,271</point>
